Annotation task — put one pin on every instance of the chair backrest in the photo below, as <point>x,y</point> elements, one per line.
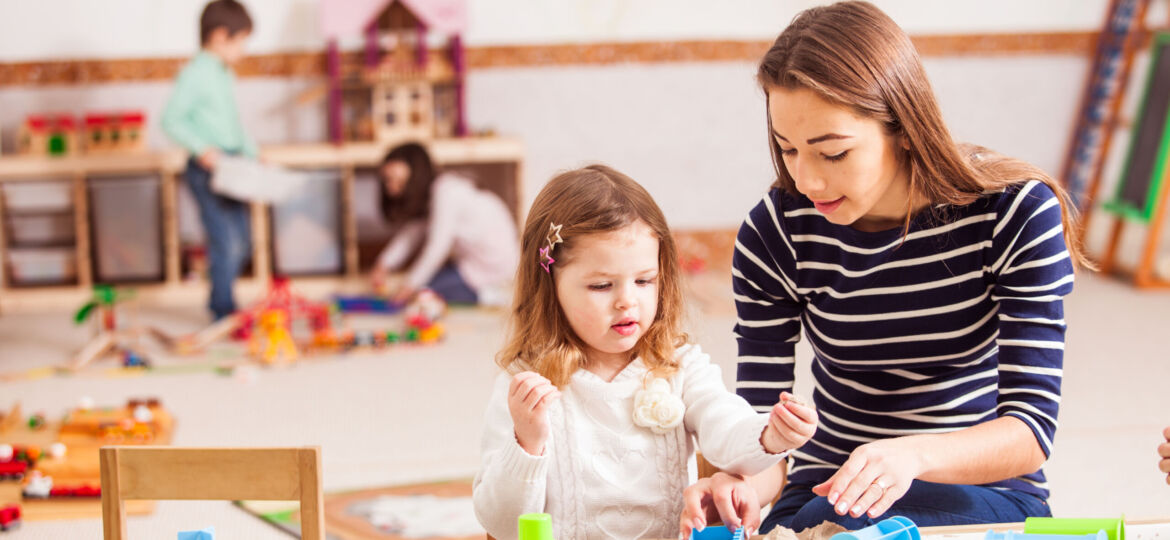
<point>177,473</point>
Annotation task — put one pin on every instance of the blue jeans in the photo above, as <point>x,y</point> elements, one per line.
<point>452,287</point>
<point>926,503</point>
<point>227,225</point>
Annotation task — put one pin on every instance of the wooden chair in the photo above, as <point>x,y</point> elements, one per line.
<point>175,473</point>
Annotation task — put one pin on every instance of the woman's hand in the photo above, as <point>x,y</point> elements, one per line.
<point>875,476</point>
<point>791,424</point>
<point>529,396</point>
<point>378,278</point>
<point>403,295</point>
<point>1164,451</point>
<point>724,497</point>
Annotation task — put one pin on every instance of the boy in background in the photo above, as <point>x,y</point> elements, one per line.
<point>202,117</point>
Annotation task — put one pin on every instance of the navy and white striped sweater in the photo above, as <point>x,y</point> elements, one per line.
<point>960,324</point>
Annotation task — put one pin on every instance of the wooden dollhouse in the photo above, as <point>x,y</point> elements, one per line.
<point>401,91</point>
<point>50,134</point>
<point>114,132</point>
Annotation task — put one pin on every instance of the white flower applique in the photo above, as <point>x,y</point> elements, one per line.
<point>657,408</point>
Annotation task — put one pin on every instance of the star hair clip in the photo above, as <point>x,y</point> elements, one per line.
<point>551,240</point>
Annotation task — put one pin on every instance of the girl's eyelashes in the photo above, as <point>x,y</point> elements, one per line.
<point>642,282</point>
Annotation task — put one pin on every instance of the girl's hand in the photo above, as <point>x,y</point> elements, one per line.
<point>875,476</point>
<point>1164,451</point>
<point>791,424</point>
<point>529,396</point>
<point>723,497</point>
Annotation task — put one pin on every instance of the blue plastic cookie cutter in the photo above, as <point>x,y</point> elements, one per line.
<point>895,528</point>
<point>718,532</point>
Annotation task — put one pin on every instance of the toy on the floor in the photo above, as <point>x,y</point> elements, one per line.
<point>268,326</point>
<point>54,471</point>
<point>402,91</point>
<point>894,528</point>
<point>272,342</point>
<point>365,304</point>
<point>109,337</point>
<point>9,517</point>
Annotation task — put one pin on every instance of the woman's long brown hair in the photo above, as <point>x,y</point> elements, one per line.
<point>853,54</point>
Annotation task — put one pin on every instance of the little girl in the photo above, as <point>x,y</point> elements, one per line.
<point>595,418</point>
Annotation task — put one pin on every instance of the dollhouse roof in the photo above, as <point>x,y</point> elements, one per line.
<point>341,18</point>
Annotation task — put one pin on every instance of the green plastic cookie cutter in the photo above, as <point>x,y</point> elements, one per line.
<point>1113,527</point>
<point>535,527</point>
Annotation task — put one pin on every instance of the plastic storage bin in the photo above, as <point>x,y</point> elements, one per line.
<point>127,228</point>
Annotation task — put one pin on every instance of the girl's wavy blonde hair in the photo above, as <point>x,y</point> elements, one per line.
<point>595,199</point>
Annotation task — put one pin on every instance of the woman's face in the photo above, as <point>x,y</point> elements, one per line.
<point>395,174</point>
<point>849,167</point>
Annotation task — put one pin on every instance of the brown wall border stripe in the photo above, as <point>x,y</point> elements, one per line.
<point>312,63</point>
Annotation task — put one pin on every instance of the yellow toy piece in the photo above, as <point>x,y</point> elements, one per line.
<point>431,334</point>
<point>272,342</point>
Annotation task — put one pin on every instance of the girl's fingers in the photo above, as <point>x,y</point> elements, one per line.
<point>693,512</point>
<point>804,412</point>
<point>792,423</point>
<point>546,400</point>
<point>725,505</point>
<point>533,399</point>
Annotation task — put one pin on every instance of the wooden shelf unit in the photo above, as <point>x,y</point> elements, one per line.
<point>168,167</point>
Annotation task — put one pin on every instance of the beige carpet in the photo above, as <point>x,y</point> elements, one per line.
<point>414,414</point>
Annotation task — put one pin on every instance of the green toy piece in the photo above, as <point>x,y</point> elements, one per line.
<point>535,527</point>
<point>1113,527</point>
<point>104,296</point>
<point>412,335</point>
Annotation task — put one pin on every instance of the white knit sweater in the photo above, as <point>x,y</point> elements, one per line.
<point>602,476</point>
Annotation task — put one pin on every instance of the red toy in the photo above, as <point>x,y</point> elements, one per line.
<point>9,517</point>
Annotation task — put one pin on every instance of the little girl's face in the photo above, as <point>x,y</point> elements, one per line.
<point>608,289</point>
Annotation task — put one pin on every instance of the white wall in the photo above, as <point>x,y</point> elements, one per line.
<point>48,29</point>
<point>692,133</point>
